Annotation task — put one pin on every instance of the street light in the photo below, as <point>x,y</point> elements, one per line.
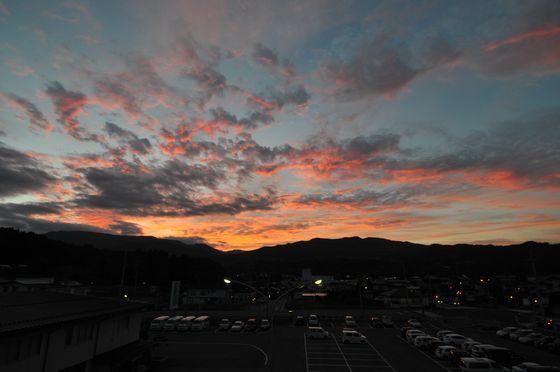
<point>227,281</point>
<point>319,281</point>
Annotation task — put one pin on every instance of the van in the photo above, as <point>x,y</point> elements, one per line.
<point>157,323</point>
<point>317,333</point>
<point>200,323</point>
<point>350,336</point>
<point>171,323</point>
<point>185,323</point>
<point>480,365</point>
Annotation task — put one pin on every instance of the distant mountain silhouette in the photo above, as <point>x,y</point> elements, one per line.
<point>388,257</point>
<point>132,243</point>
<point>341,256</point>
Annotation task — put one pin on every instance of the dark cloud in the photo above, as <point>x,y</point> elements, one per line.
<point>68,106</point>
<point>531,46</point>
<point>125,228</point>
<point>269,58</point>
<point>140,146</point>
<point>36,118</point>
<point>250,122</point>
<point>385,66</point>
<point>297,96</point>
<point>175,189</point>
<point>28,217</point>
<point>20,173</point>
<point>189,240</point>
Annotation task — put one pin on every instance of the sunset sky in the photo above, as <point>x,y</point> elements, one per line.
<point>251,123</point>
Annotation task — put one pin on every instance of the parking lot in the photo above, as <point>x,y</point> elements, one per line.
<point>285,348</point>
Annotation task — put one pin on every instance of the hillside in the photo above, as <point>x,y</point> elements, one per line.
<point>387,257</point>
<point>132,243</point>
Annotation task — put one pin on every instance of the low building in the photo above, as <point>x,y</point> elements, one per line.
<point>47,332</point>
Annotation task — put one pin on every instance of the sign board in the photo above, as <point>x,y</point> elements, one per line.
<point>175,294</point>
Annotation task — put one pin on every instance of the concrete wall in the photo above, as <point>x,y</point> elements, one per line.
<point>110,334</point>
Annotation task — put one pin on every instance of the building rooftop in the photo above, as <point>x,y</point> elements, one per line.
<point>23,310</point>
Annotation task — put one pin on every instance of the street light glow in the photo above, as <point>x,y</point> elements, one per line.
<point>227,281</point>
<point>319,281</point>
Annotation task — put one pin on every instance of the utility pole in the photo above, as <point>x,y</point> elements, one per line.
<point>123,273</point>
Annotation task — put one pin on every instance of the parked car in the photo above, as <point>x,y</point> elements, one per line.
<point>317,333</point>
<point>456,355</point>
<point>351,336</point>
<point>443,332</point>
<point>504,356</point>
<point>543,342</point>
<point>349,321</point>
<point>467,345</point>
<point>251,325</point>
<point>171,323</point>
<point>375,322</point>
<point>265,325</point>
<point>313,320</point>
<point>520,333</point>
<point>535,367</point>
<point>530,338</point>
<point>480,350</point>
<point>422,341</point>
<point>224,325</point>
<point>524,367</point>
<point>185,323</point>
<point>454,339</point>
<point>444,352</point>
<point>412,334</point>
<point>200,323</point>
<point>504,332</point>
<point>157,323</point>
<point>237,326</point>
<point>414,323</point>
<point>404,330</point>
<point>433,345</point>
<point>480,365</point>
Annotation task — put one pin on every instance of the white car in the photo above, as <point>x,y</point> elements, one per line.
<point>350,336</point>
<point>524,367</point>
<point>185,323</point>
<point>529,339</point>
<point>412,334</point>
<point>317,333</point>
<point>454,339</point>
<point>237,326</point>
<point>157,323</point>
<point>480,349</point>
<point>520,333</point>
<point>504,332</point>
<point>313,320</point>
<point>480,365</point>
<point>422,341</point>
<point>468,344</point>
<point>224,325</point>
<point>349,321</point>
<point>444,352</point>
<point>443,332</point>
<point>171,323</point>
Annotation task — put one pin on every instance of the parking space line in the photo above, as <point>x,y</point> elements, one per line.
<point>334,338</point>
<point>305,349</point>
<point>381,356</point>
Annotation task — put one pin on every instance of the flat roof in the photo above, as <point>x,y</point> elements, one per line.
<point>25,310</point>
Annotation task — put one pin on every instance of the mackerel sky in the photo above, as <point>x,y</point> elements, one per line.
<point>250,123</point>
